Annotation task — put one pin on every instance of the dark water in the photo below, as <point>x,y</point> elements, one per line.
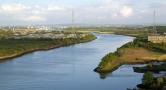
<point>68,68</point>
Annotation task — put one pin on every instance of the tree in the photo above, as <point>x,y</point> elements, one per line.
<point>148,79</point>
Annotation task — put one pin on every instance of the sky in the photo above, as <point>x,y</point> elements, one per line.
<point>129,12</point>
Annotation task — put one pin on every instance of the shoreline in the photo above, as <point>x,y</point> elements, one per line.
<point>115,68</point>
<point>6,58</point>
<point>26,52</point>
<point>130,54</point>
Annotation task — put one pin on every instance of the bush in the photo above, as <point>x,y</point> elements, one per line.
<point>148,79</point>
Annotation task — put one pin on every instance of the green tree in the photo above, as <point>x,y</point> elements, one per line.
<point>148,79</point>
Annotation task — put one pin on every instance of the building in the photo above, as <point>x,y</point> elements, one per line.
<point>157,38</point>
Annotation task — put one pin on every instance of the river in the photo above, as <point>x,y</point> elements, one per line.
<point>68,68</point>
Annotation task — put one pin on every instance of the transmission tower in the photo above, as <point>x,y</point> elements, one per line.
<point>73,18</point>
<point>154,22</point>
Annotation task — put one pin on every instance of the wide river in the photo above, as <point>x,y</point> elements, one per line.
<point>68,68</point>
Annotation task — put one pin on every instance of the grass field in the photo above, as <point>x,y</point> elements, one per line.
<point>138,51</point>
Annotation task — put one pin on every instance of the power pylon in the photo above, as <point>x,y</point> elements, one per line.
<point>154,22</point>
<point>73,18</point>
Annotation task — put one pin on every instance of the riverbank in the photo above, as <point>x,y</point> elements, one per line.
<point>11,48</point>
<point>154,77</point>
<point>138,51</point>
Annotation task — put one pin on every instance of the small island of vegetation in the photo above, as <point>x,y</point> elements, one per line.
<point>153,78</point>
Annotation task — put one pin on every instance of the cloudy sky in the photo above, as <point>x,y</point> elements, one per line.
<point>24,12</point>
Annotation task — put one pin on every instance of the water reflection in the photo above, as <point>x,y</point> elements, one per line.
<point>67,68</point>
<point>121,72</point>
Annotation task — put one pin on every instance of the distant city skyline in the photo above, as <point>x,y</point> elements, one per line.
<point>36,12</point>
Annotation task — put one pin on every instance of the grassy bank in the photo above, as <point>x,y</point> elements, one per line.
<point>128,31</point>
<point>123,30</point>
<point>138,51</point>
<point>10,48</point>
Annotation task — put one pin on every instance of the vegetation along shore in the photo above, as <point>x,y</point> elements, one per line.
<point>138,51</point>
<point>16,45</point>
<point>153,77</point>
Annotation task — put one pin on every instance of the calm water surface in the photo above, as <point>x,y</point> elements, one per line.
<point>68,68</point>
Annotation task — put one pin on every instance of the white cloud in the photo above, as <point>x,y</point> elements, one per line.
<point>56,8</point>
<point>12,8</point>
<point>114,8</point>
<point>107,11</point>
<point>126,11</point>
<point>29,13</point>
<point>34,18</point>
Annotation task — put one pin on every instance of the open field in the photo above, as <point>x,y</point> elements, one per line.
<point>138,51</point>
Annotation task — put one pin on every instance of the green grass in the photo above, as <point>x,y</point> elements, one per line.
<point>5,33</point>
<point>113,60</point>
<point>14,47</point>
<point>130,31</point>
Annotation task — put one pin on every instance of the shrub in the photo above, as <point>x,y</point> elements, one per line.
<point>148,79</point>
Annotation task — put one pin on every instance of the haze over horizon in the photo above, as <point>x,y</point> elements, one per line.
<point>24,12</point>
